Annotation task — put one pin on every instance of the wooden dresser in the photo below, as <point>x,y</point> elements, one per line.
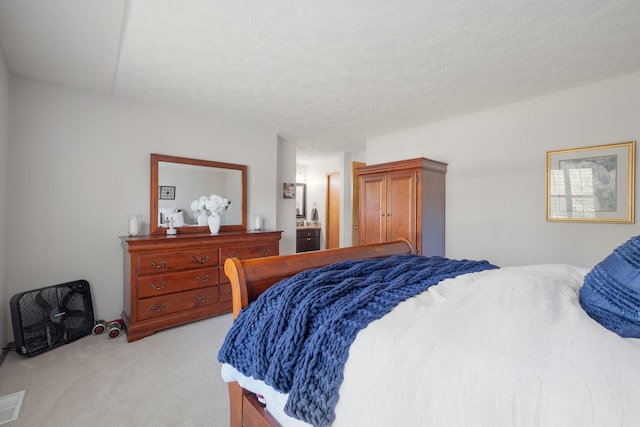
<point>403,199</point>
<point>172,280</point>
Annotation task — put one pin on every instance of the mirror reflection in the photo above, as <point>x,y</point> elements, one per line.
<point>301,200</point>
<point>177,185</point>
<point>187,183</point>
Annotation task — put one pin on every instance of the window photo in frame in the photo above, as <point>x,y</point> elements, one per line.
<point>591,184</point>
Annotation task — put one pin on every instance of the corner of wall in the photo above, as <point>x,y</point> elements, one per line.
<point>4,178</point>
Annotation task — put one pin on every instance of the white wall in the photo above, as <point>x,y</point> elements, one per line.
<point>4,178</point>
<point>287,207</point>
<point>495,196</point>
<point>79,163</point>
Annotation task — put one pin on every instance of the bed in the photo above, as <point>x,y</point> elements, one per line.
<point>516,346</point>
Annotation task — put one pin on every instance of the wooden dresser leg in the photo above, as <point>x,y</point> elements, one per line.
<point>235,404</point>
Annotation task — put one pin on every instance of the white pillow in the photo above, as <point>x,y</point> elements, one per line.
<point>178,218</point>
<point>171,209</point>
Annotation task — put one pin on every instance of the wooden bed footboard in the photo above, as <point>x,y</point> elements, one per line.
<point>250,278</point>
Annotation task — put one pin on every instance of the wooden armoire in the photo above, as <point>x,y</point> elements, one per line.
<point>403,199</point>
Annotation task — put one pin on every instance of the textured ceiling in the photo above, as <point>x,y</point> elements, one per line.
<point>324,74</point>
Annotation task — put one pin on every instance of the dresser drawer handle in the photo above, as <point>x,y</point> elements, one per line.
<point>203,260</point>
<point>230,255</point>
<point>200,300</point>
<point>265,252</point>
<point>158,309</point>
<point>161,265</point>
<point>159,288</point>
<point>201,280</point>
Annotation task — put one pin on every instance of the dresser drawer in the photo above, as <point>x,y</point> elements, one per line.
<point>161,284</point>
<point>172,303</point>
<point>179,260</point>
<point>225,290</point>
<point>248,251</point>
<point>245,252</point>
<point>308,244</point>
<point>308,232</point>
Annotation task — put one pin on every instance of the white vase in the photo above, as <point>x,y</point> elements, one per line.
<point>202,218</point>
<point>214,223</point>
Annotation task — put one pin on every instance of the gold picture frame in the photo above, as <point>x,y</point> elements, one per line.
<point>592,184</point>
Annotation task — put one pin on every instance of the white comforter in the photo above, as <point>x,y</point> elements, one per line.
<point>508,347</point>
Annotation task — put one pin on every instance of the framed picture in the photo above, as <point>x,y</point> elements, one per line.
<point>167,192</point>
<point>288,190</point>
<point>592,184</point>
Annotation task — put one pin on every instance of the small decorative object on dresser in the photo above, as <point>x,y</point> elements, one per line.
<point>202,218</point>
<point>134,224</point>
<point>214,223</point>
<point>169,281</point>
<point>213,206</point>
<point>200,207</point>
<point>171,231</point>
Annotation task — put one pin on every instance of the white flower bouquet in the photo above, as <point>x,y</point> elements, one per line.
<point>213,203</point>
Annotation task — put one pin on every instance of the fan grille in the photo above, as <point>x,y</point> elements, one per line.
<point>48,317</point>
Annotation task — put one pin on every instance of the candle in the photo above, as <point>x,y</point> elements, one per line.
<point>257,222</point>
<point>134,225</point>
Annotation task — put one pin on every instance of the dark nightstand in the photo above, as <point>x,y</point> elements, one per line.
<point>307,239</point>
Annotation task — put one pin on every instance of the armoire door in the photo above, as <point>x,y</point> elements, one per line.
<point>401,206</point>
<point>372,209</point>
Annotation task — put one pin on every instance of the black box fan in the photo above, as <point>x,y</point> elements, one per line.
<point>49,317</point>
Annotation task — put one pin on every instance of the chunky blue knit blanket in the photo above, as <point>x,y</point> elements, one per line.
<point>611,290</point>
<point>296,336</point>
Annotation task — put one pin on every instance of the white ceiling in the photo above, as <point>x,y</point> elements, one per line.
<point>325,74</point>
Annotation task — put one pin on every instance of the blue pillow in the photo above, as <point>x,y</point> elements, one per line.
<point>611,290</point>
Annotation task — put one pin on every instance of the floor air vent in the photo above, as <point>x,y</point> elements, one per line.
<point>10,407</point>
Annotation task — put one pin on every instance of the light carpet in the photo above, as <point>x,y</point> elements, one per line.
<point>171,378</point>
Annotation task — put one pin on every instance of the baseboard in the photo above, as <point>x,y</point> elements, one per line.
<point>5,351</point>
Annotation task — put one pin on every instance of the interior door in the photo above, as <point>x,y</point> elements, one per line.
<point>333,211</point>
<point>355,204</point>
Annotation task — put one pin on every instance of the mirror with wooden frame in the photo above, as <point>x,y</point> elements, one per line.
<point>301,200</point>
<point>176,182</point>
